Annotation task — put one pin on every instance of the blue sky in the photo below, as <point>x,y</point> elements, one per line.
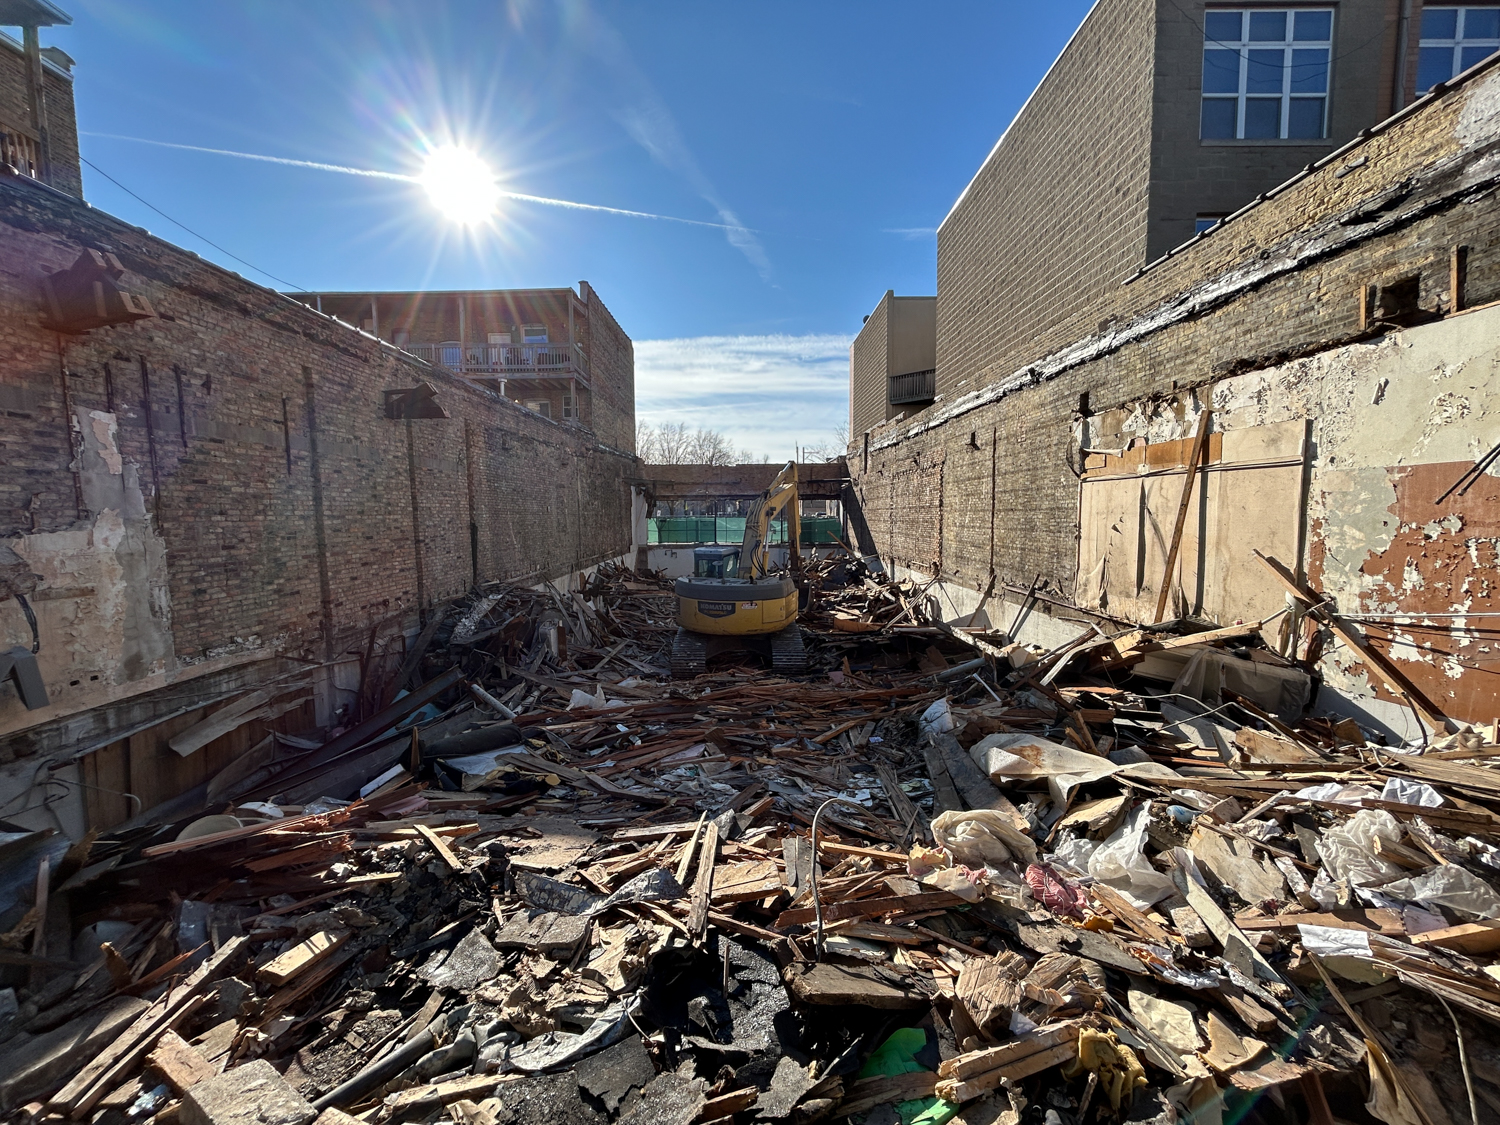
<point>827,140</point>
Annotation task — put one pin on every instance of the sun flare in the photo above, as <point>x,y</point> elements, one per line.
<point>460,184</point>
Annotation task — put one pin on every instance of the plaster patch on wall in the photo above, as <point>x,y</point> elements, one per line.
<point>1479,120</point>
<point>104,427</point>
<point>102,602</point>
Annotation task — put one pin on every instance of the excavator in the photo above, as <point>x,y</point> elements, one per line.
<point>733,602</point>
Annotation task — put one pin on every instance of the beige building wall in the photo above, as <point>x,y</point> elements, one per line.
<point>899,337</point>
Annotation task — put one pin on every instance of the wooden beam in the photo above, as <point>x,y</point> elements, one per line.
<point>1200,446</point>
<point>1388,673</point>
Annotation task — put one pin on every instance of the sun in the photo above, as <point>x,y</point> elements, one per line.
<point>460,184</point>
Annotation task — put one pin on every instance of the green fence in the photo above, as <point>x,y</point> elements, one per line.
<point>731,530</point>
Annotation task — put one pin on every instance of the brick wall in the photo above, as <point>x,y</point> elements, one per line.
<point>612,372</point>
<point>1057,213</point>
<point>1280,282</point>
<point>1190,176</point>
<point>221,484</point>
<point>57,94</point>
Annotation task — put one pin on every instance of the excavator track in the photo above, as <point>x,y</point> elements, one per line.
<point>788,657</point>
<point>689,655</point>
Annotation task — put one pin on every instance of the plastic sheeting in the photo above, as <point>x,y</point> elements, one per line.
<point>1451,886</point>
<point>1348,852</point>
<point>982,838</point>
<point>1121,863</point>
<point>1009,757</point>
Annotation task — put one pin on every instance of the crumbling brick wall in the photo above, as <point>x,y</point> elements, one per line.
<point>1279,288</point>
<point>62,126</point>
<point>221,482</point>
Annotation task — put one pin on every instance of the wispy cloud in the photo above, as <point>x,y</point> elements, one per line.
<point>912,234</point>
<point>647,120</point>
<point>767,394</point>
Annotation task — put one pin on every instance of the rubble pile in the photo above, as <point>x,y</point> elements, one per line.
<point>949,877</point>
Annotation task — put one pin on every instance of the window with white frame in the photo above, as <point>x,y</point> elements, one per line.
<point>1265,73</point>
<point>570,407</point>
<point>1454,39</point>
<point>534,334</point>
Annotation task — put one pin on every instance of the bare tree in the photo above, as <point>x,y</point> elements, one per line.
<point>830,450</point>
<point>672,443</point>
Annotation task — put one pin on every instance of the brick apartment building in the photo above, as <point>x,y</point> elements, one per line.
<point>1159,119</point>
<point>557,352</point>
<point>1335,338</point>
<point>38,132</point>
<point>207,486</point>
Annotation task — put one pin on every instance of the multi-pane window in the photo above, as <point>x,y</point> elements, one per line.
<point>1265,73</point>
<point>1454,39</point>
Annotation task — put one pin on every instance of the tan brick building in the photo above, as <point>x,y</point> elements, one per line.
<point>38,130</point>
<point>558,352</point>
<point>1335,339</point>
<point>892,361</point>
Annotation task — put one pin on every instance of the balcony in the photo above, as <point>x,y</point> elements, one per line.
<point>506,361</point>
<point>917,386</point>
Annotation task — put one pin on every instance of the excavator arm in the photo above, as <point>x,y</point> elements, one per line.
<point>780,496</point>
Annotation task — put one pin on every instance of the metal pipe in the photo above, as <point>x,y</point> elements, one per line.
<point>1403,48</point>
<point>491,702</point>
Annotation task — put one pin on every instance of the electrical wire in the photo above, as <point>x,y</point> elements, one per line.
<point>190,230</point>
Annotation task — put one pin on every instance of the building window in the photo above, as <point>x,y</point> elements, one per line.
<point>539,406</point>
<point>534,334</point>
<point>570,408</point>
<point>1206,221</point>
<point>1265,73</point>
<point>1454,39</point>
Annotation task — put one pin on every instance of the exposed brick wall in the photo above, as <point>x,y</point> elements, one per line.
<point>281,510</point>
<point>62,126</point>
<point>612,372</point>
<point>1279,282</point>
<point>1057,213</point>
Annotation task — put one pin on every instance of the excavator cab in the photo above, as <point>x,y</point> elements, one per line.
<point>716,562</point>
<point>733,602</point>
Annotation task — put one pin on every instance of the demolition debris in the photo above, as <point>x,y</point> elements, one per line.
<point>945,876</point>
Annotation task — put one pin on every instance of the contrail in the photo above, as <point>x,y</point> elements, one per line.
<point>378,175</point>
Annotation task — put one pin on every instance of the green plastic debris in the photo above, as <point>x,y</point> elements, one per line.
<point>898,1055</point>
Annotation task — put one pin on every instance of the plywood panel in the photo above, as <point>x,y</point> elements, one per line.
<point>1125,527</point>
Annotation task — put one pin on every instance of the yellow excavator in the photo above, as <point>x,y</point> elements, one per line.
<point>734,603</point>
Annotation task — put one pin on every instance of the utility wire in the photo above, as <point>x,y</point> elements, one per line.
<point>190,230</point>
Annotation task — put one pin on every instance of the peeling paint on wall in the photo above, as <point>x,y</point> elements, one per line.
<point>102,601</point>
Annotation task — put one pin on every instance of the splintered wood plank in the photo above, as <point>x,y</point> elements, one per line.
<point>300,958</point>
<point>704,885</point>
<point>440,846</point>
<point>179,1063</point>
<point>742,882</point>
<point>869,908</point>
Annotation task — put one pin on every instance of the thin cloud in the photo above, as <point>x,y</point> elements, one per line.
<point>344,169</point>
<point>767,394</point>
<point>647,120</point>
<point>912,234</point>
